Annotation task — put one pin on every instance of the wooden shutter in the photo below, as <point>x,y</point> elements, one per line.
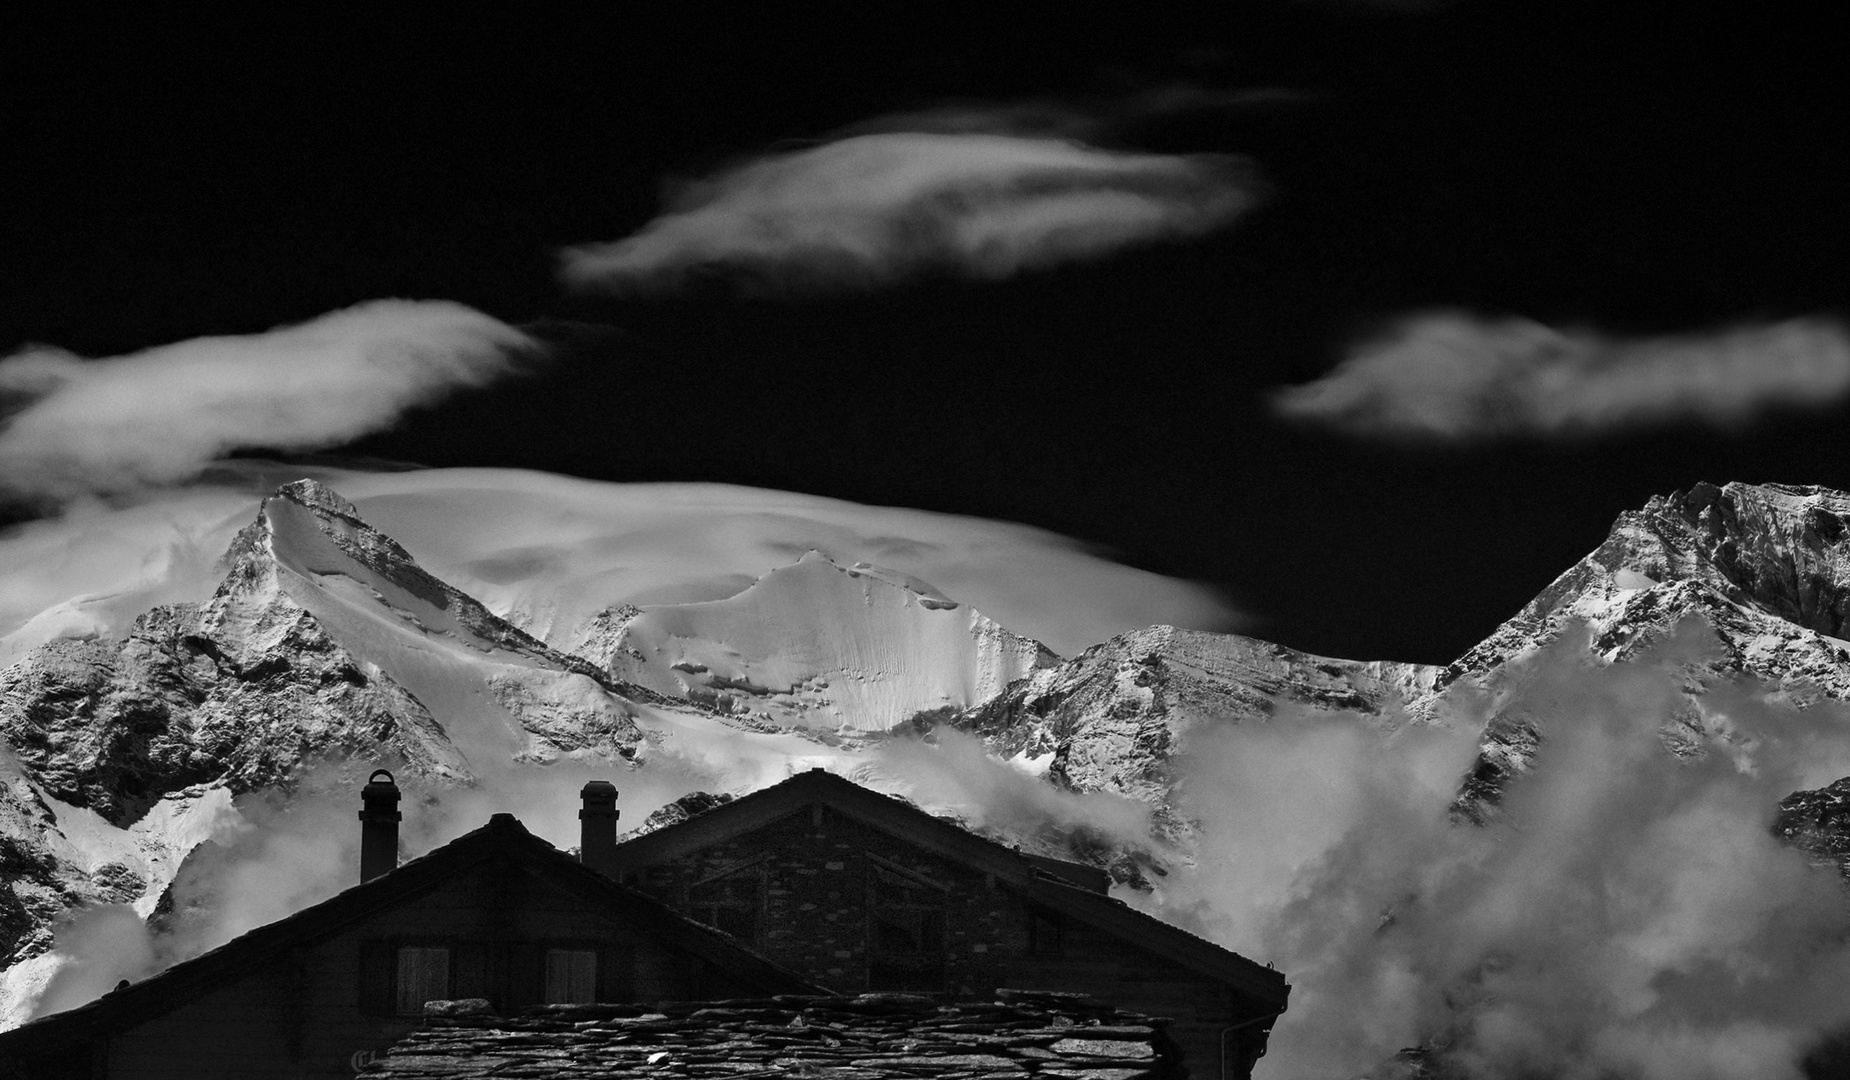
<point>571,976</point>
<point>423,975</point>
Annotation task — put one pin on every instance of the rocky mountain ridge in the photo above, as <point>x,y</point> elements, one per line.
<point>326,641</point>
<point>1760,572</point>
<point>1110,718</point>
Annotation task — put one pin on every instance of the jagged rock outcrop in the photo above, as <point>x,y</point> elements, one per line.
<point>692,804</point>
<point>1111,718</point>
<point>115,726</point>
<point>1817,822</point>
<point>1760,573</point>
<point>289,662</point>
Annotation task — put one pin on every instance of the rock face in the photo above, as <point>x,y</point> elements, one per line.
<point>1761,572</point>
<point>325,640</point>
<point>815,645</point>
<point>1111,718</point>
<point>1818,823</point>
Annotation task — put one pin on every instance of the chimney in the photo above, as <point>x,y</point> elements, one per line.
<point>379,833</point>
<point>597,845</point>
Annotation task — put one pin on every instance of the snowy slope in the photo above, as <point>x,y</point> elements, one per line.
<point>850,649</point>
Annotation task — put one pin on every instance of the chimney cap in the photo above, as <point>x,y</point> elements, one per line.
<point>380,798</point>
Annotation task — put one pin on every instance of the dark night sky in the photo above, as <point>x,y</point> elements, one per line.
<point>1586,167</point>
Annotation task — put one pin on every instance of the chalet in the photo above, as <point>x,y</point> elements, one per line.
<point>496,914</point>
<point>860,891</point>
<point>815,896</point>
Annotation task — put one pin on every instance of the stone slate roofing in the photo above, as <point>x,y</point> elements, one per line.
<point>1021,1035</point>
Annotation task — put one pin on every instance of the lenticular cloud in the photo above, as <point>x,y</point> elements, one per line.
<point>162,414</point>
<point>870,209</point>
<point>1450,376</point>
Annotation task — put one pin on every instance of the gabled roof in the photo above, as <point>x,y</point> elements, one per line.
<point>504,839</point>
<point>1069,888</point>
<point>819,787</point>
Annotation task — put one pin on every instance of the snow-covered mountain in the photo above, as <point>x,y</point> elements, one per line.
<point>815,645</point>
<point>1761,573</point>
<point>121,751</point>
<point>324,641</point>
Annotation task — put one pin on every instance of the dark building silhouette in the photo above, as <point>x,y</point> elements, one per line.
<point>814,887</point>
<point>860,891</point>
<point>497,913</point>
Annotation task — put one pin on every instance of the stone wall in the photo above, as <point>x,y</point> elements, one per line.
<point>1017,1036</point>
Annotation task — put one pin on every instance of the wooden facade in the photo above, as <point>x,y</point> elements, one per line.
<point>862,892</point>
<point>497,914</point>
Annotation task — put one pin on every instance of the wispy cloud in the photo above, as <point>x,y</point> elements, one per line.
<point>1452,376</point>
<point>161,415</point>
<point>982,193</point>
<point>1096,121</point>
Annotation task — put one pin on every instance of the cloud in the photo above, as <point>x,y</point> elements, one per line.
<point>1627,914</point>
<point>1096,121</point>
<point>869,209</point>
<point>551,551</point>
<point>162,414</point>
<point>1452,376</point>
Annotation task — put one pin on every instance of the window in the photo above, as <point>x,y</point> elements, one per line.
<point>732,901</point>
<point>571,976</point>
<point>423,975</point>
<point>905,944</point>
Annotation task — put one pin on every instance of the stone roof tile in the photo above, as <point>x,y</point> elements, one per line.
<point>1024,1036</point>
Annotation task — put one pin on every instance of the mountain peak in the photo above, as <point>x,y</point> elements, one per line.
<point>315,495</point>
<point>1782,549</point>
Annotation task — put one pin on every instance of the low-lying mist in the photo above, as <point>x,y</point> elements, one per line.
<point>282,851</point>
<point>1626,913</point>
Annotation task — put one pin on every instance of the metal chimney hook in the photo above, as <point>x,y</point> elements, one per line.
<point>377,773</point>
